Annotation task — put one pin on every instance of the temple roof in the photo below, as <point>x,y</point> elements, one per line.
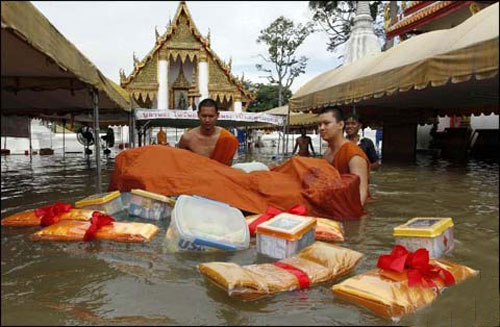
<point>204,41</point>
<point>420,13</point>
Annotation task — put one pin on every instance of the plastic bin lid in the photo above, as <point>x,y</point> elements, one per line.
<point>97,199</point>
<point>287,226</point>
<point>211,222</point>
<point>423,227</point>
<point>154,196</point>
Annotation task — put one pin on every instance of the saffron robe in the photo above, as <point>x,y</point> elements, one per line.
<point>225,148</point>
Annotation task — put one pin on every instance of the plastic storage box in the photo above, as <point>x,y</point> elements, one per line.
<point>284,235</point>
<point>434,234</point>
<point>149,205</point>
<point>109,203</point>
<point>199,224</point>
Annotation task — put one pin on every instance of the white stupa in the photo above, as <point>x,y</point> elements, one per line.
<point>363,40</point>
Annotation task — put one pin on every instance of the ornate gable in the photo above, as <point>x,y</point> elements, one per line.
<point>183,41</point>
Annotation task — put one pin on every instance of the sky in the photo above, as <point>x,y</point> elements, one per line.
<point>108,33</point>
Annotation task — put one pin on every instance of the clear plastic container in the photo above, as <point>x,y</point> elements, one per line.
<point>149,205</point>
<point>199,224</point>
<point>431,233</point>
<point>248,167</point>
<point>125,199</point>
<point>284,235</point>
<point>110,203</point>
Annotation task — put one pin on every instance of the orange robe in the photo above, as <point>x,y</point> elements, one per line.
<point>225,148</point>
<point>345,154</point>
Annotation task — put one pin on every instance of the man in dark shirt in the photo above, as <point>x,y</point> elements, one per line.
<point>352,127</point>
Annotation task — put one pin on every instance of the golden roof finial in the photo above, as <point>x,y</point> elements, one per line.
<point>230,62</point>
<point>122,75</point>
<point>157,35</point>
<point>208,35</point>
<point>242,77</point>
<point>136,61</point>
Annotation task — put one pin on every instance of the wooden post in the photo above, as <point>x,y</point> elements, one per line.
<point>29,130</point>
<point>64,139</point>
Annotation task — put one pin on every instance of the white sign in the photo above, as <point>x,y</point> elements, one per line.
<point>251,117</point>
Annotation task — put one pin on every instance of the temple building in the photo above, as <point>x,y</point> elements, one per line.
<point>423,16</point>
<point>182,69</point>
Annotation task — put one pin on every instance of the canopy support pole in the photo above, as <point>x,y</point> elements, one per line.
<point>320,143</point>
<point>64,139</point>
<point>95,100</point>
<point>246,139</point>
<point>29,129</point>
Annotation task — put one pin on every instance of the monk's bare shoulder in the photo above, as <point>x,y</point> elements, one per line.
<point>186,138</point>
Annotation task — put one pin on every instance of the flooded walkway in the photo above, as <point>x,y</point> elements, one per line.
<point>137,284</point>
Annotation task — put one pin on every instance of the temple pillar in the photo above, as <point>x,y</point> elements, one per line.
<point>237,107</point>
<point>162,81</point>
<point>203,76</point>
<point>399,142</point>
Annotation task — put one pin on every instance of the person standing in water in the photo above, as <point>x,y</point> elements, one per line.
<point>352,126</point>
<point>345,156</point>
<point>208,139</point>
<point>303,143</point>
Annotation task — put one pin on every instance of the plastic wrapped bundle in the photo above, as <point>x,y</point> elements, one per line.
<point>74,231</point>
<point>326,229</point>
<point>30,218</point>
<point>317,263</point>
<point>388,294</point>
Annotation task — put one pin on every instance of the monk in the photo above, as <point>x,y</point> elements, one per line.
<point>352,126</point>
<point>344,155</point>
<point>303,143</point>
<point>207,139</point>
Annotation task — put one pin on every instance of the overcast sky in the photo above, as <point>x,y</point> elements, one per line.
<point>108,33</point>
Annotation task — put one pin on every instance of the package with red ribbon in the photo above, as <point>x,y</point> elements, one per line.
<point>317,263</point>
<point>101,227</point>
<point>404,282</point>
<point>47,215</point>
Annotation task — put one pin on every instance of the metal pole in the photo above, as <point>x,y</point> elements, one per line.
<point>31,149</point>
<point>95,100</point>
<point>64,139</point>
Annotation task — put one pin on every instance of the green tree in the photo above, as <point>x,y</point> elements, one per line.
<point>283,38</point>
<point>267,97</point>
<point>336,19</point>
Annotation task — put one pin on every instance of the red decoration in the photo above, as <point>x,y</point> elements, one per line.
<point>302,277</point>
<point>419,271</point>
<point>271,212</point>
<point>98,220</point>
<point>50,214</point>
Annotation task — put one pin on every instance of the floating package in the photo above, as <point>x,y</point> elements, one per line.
<point>326,229</point>
<point>317,263</point>
<point>74,231</point>
<point>433,234</point>
<point>149,205</point>
<point>109,203</point>
<point>199,224</point>
<point>31,218</point>
<point>284,235</point>
<point>248,167</point>
<point>388,294</point>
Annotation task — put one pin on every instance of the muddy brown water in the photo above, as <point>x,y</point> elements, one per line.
<point>104,283</point>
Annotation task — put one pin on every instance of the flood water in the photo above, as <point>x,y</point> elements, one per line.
<point>104,283</point>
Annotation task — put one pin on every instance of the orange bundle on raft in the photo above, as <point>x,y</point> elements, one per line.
<point>406,283</point>
<point>317,263</point>
<point>311,182</point>
<point>47,215</point>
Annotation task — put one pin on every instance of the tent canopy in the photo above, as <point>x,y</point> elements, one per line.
<point>188,118</point>
<point>44,73</point>
<point>461,65</point>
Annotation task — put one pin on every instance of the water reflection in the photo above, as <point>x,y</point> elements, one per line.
<point>140,284</point>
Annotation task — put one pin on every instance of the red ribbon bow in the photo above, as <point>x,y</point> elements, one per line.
<point>271,212</point>
<point>302,277</point>
<point>98,220</point>
<point>50,214</point>
<point>419,271</point>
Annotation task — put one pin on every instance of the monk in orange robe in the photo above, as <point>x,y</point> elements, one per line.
<point>344,155</point>
<point>209,140</point>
